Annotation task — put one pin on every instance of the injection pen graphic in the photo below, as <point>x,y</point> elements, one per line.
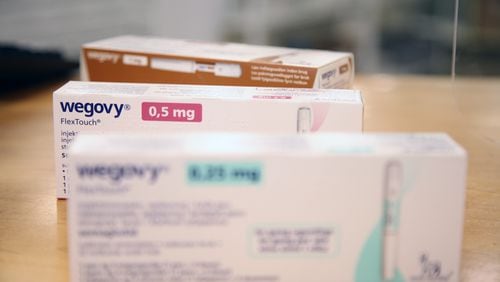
<point>392,189</point>
<point>304,120</point>
<point>188,66</point>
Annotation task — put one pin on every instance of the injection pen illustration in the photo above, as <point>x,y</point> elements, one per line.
<point>304,120</point>
<point>188,66</point>
<point>393,181</point>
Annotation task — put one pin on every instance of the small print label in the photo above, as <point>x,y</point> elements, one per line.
<point>272,97</point>
<point>328,79</point>
<point>344,68</point>
<point>135,60</point>
<point>328,74</point>
<point>294,241</point>
<point>177,112</point>
<point>224,173</point>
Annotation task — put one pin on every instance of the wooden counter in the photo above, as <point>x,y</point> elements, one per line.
<point>33,243</point>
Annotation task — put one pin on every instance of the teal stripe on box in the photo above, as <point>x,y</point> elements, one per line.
<point>224,173</point>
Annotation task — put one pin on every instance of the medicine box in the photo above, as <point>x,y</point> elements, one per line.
<point>162,60</point>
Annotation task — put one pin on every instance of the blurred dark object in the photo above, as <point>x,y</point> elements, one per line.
<point>418,38</point>
<point>22,68</point>
<point>479,38</point>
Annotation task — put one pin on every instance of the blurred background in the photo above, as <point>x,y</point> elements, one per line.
<point>386,36</point>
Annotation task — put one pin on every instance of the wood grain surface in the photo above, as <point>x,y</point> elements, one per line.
<point>33,241</point>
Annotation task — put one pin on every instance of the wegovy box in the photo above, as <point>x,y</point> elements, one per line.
<point>219,207</point>
<point>161,60</point>
<point>118,107</point>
